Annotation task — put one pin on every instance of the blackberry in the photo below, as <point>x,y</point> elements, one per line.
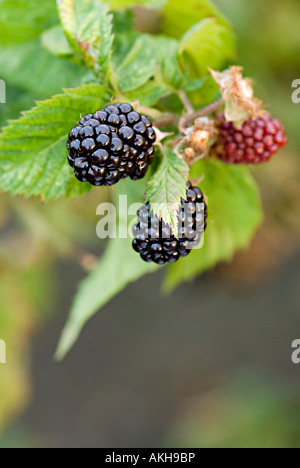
<point>154,240</point>
<point>112,144</point>
<point>256,142</point>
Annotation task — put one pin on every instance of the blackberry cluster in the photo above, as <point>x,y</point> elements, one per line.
<point>256,142</point>
<point>154,240</point>
<point>112,144</point>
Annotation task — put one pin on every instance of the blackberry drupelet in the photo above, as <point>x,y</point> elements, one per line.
<point>154,240</point>
<point>112,144</point>
<point>256,142</point>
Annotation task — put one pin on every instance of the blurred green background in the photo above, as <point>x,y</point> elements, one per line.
<point>208,367</point>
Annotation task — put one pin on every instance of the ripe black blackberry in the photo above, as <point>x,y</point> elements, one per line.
<point>256,142</point>
<point>112,144</point>
<point>154,240</point>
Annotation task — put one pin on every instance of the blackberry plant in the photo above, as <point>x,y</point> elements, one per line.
<point>111,144</point>
<point>254,143</point>
<point>127,95</point>
<point>155,241</point>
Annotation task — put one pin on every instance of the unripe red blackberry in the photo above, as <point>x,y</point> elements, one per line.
<point>256,142</point>
<point>154,240</point>
<point>112,144</point>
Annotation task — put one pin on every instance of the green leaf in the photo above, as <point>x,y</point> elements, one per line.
<point>148,94</point>
<point>30,67</point>
<point>67,15</point>
<point>179,16</point>
<point>164,67</point>
<point>88,27</point>
<point>22,20</point>
<point>124,33</point>
<point>203,91</point>
<point>234,209</point>
<point>33,148</point>
<point>23,62</point>
<point>167,51</point>
<point>118,267</point>
<point>16,101</point>
<point>147,57</point>
<point>167,187</point>
<point>55,42</point>
<point>74,188</point>
<point>207,44</point>
<point>138,66</point>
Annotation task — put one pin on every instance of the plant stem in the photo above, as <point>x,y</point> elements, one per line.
<point>205,111</point>
<point>173,118</point>
<point>167,120</point>
<point>185,101</point>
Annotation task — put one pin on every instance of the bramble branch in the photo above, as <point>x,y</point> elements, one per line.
<point>188,118</point>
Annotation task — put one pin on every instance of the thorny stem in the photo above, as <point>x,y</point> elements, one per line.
<point>185,101</point>
<point>185,120</point>
<point>167,120</point>
<point>205,111</point>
